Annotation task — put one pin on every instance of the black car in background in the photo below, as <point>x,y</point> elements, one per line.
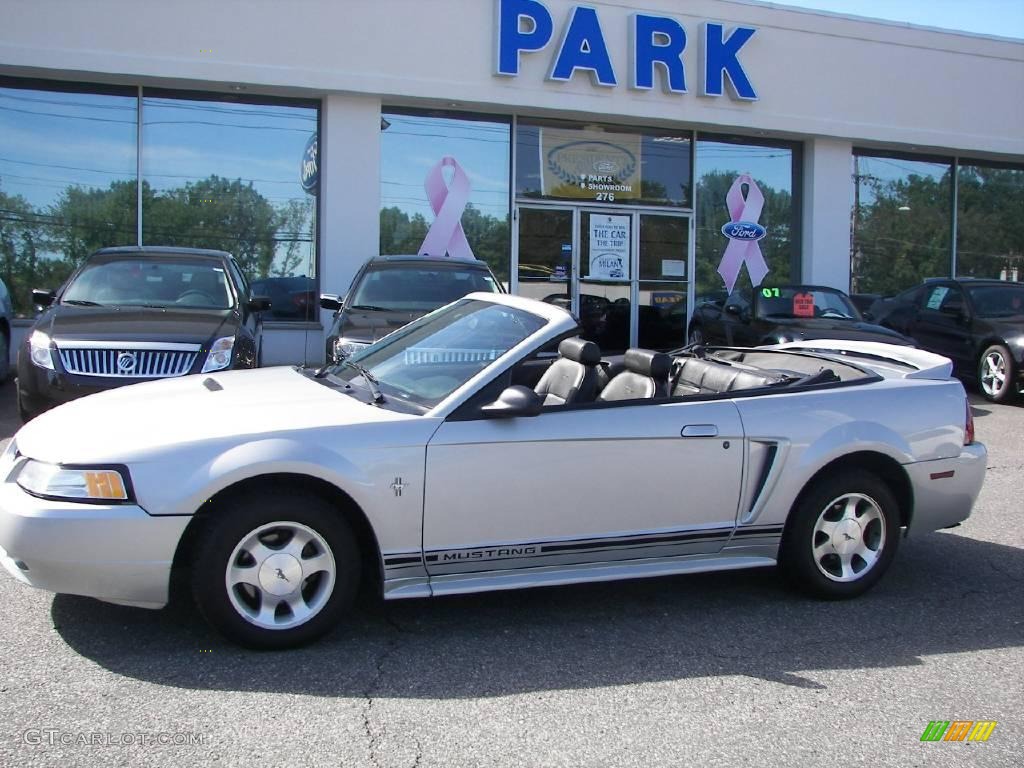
<point>134,314</point>
<point>391,291</point>
<point>291,298</point>
<point>780,313</point>
<point>978,324</point>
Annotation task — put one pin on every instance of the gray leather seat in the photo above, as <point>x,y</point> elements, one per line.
<point>645,376</point>
<point>694,375</point>
<point>572,378</point>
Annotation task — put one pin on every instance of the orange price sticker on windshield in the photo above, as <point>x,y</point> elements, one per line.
<point>803,305</point>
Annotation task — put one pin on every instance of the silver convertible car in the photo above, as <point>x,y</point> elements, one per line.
<point>462,454</point>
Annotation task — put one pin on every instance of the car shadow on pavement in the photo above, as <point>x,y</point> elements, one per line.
<point>944,594</point>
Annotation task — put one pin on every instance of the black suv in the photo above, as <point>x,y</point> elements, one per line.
<point>978,324</point>
<point>391,291</point>
<point>134,314</point>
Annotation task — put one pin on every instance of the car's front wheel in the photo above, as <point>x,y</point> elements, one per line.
<point>275,569</point>
<point>842,535</point>
<point>997,374</point>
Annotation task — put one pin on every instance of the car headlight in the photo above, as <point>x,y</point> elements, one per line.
<point>344,348</point>
<point>39,350</point>
<point>220,354</point>
<point>74,484</point>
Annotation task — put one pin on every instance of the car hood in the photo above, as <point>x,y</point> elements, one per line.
<point>132,422</point>
<point>368,325</point>
<point>194,326</point>
<point>825,328</point>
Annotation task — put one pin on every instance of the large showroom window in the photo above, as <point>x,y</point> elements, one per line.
<point>739,180</point>
<point>990,221</point>
<point>451,164</point>
<point>217,172</point>
<point>67,180</point>
<point>227,175</point>
<point>902,221</point>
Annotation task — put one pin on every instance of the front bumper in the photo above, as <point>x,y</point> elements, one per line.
<point>118,553</point>
<point>945,489</point>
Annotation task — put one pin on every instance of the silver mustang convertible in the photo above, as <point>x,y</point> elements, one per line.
<point>461,454</point>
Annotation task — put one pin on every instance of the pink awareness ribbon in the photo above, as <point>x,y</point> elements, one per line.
<point>743,250</point>
<point>446,234</point>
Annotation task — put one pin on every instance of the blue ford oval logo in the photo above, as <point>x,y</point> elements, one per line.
<point>310,171</point>
<point>744,230</point>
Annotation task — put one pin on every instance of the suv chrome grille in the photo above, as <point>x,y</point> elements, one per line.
<point>129,361</point>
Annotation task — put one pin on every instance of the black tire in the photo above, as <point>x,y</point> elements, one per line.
<point>994,362</point>
<point>875,512</point>
<point>279,512</point>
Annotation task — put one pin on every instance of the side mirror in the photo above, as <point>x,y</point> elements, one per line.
<point>866,314</point>
<point>259,303</point>
<point>331,301</point>
<point>736,310</point>
<point>514,401</point>
<point>43,297</point>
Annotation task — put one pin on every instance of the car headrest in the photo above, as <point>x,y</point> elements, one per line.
<point>580,350</point>
<point>643,361</point>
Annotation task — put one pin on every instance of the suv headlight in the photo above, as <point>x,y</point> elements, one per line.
<point>345,348</point>
<point>39,350</point>
<point>74,483</point>
<point>220,354</point>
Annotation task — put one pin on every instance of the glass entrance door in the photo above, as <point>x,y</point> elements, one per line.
<point>623,273</point>
<point>546,247</point>
<point>663,281</point>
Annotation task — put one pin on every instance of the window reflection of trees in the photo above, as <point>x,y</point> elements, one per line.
<point>73,199</point>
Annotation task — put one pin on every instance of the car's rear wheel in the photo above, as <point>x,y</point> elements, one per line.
<point>842,535</point>
<point>275,569</point>
<point>997,374</point>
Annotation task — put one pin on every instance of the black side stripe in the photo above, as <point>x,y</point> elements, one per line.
<point>402,560</point>
<point>609,544</point>
<point>763,530</point>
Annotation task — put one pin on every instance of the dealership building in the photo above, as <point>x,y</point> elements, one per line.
<point>642,156</point>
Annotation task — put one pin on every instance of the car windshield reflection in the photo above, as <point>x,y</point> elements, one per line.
<point>803,302</point>
<point>430,358</point>
<point>162,283</point>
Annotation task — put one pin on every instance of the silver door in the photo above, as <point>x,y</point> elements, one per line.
<point>589,485</point>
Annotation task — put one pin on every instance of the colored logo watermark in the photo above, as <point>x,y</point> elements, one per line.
<point>958,730</point>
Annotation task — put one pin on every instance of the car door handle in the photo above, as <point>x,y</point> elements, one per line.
<point>699,430</point>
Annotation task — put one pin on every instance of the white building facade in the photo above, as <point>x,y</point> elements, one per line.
<point>641,156</point>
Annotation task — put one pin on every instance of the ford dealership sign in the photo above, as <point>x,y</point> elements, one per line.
<point>656,43</point>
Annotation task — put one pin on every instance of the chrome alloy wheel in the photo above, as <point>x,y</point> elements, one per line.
<point>280,575</point>
<point>993,372</point>
<point>848,537</point>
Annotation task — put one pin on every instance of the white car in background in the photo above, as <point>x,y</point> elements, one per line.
<point>425,464</point>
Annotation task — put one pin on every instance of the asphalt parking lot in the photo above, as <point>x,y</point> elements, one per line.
<point>711,670</point>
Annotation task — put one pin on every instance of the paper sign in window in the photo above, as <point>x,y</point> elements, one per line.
<point>803,305</point>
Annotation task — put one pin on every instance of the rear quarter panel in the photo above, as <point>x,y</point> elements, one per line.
<point>908,421</point>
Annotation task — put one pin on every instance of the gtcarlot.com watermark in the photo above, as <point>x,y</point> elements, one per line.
<point>53,737</point>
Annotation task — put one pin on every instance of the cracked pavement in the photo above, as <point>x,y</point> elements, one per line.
<point>717,669</point>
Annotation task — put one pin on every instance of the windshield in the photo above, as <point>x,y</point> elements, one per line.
<point>411,287</point>
<point>801,301</point>
<point>997,300</point>
<point>430,358</point>
<point>164,282</point>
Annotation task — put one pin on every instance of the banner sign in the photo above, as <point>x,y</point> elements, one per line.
<point>609,247</point>
<point>743,232</point>
<point>448,200</point>
<point>590,165</point>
